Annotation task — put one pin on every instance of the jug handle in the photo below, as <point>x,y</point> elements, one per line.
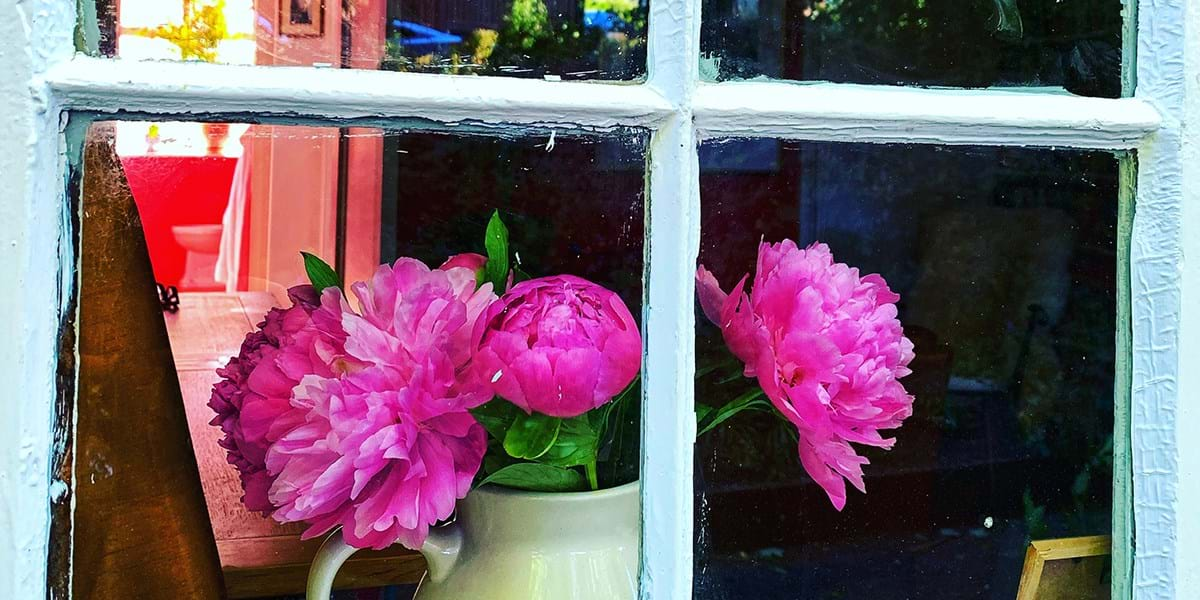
<point>441,550</point>
<point>334,552</point>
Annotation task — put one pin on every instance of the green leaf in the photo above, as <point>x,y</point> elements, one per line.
<point>494,461</point>
<point>496,242</point>
<point>751,400</point>
<point>320,274</point>
<point>531,436</point>
<point>537,477</point>
<point>729,363</point>
<point>576,445</point>
<point>702,412</point>
<point>496,416</point>
<point>600,418</point>
<point>734,376</point>
<point>1007,20</point>
<point>619,432</point>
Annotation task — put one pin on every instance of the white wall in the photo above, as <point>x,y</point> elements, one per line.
<point>1166,338</point>
<point>33,34</point>
<point>1187,559</point>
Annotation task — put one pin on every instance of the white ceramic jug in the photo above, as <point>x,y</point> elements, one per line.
<point>512,545</point>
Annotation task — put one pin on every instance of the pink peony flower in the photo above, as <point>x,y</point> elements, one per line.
<point>387,447</point>
<point>559,346</point>
<point>469,260</point>
<point>385,453</point>
<point>408,310</point>
<point>252,398</point>
<point>827,349</point>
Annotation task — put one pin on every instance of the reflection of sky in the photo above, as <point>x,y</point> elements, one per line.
<point>139,14</point>
<point>174,139</point>
<point>178,139</point>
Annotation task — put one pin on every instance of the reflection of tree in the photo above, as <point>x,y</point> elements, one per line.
<point>531,41</point>
<point>199,33</point>
<point>942,42</point>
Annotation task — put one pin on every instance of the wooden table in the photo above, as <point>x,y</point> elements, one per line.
<point>259,557</point>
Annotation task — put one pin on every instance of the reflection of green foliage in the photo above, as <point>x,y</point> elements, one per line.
<point>527,24</point>
<point>1005,18</point>
<point>883,20</point>
<point>1086,515</point>
<point>480,45</point>
<point>620,7</point>
<point>203,27</point>
<point>531,42</point>
<point>628,11</point>
<point>529,39</point>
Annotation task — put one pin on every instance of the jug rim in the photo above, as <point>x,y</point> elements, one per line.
<point>589,495</point>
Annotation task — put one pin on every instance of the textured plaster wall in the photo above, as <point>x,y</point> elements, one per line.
<point>33,34</point>
<point>1187,558</point>
<point>1166,366</point>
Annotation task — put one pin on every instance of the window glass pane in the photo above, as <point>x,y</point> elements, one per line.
<point>218,214</point>
<point>568,39</point>
<point>962,43</point>
<point>1004,261</point>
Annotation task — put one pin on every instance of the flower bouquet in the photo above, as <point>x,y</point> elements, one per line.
<point>376,414</point>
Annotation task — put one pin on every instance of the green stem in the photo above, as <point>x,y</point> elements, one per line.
<point>593,480</point>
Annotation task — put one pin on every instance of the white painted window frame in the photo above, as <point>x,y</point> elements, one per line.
<point>42,81</point>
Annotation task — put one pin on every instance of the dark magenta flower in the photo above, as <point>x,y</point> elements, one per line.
<point>559,346</point>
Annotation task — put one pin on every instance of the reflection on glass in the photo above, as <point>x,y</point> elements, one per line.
<point>226,209</point>
<point>964,43</point>
<point>568,39</point>
<point>1005,262</point>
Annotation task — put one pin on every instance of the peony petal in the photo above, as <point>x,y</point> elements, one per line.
<point>834,486</point>
<point>712,299</point>
<point>468,260</point>
<point>576,373</point>
<point>535,376</point>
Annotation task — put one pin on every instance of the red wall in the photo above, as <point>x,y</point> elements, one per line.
<point>176,190</point>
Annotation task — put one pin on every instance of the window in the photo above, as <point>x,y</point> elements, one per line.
<point>223,232</point>
<point>1005,263</point>
<point>685,114</point>
<point>554,39</point>
<point>1075,45</point>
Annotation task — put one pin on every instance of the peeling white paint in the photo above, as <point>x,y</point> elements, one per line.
<point>105,85</point>
<point>58,490</point>
<point>33,35</point>
<point>860,113</point>
<point>668,370</point>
